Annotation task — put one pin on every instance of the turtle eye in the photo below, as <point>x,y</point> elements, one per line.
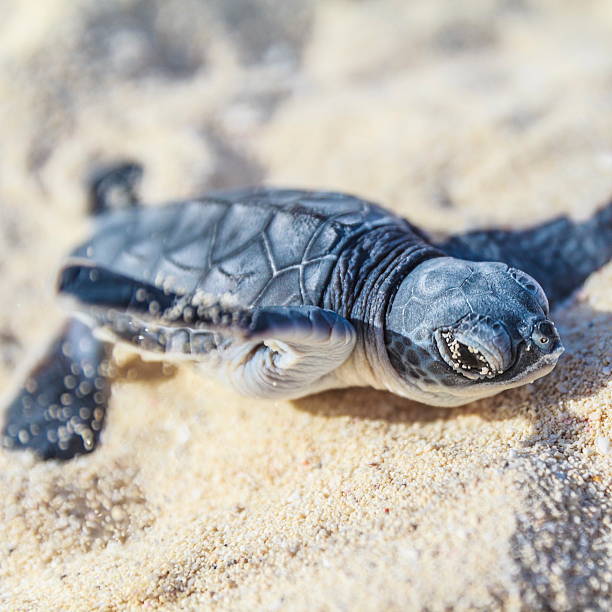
<point>544,336</point>
<point>530,284</point>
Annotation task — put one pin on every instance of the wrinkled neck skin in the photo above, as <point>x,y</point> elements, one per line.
<point>362,286</point>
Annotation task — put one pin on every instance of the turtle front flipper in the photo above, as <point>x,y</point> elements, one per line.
<point>281,351</point>
<point>285,352</point>
<point>559,254</point>
<point>59,411</point>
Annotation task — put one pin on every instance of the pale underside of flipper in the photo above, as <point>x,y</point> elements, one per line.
<point>289,351</point>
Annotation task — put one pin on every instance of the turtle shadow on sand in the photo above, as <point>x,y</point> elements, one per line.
<point>566,382</point>
<point>137,369</point>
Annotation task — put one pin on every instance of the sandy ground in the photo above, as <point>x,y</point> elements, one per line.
<point>457,115</point>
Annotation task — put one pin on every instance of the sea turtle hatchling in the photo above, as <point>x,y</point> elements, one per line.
<point>283,293</point>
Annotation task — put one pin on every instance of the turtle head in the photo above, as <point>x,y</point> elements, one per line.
<point>458,331</point>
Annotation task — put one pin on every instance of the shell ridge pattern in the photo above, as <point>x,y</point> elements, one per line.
<point>307,258</point>
<point>211,247</point>
<point>129,236</point>
<point>213,237</point>
<point>268,251</point>
<point>236,250</point>
<point>315,235</point>
<point>276,271</point>
<point>136,239</point>
<point>208,244</point>
<point>184,243</point>
<point>162,253</point>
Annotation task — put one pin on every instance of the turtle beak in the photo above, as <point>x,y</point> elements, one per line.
<point>477,347</point>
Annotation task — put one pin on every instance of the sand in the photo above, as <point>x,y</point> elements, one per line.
<point>458,115</point>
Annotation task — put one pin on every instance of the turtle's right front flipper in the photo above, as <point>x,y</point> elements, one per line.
<point>59,411</point>
<point>559,254</point>
<point>282,352</point>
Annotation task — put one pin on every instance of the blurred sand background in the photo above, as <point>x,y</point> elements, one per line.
<point>456,114</point>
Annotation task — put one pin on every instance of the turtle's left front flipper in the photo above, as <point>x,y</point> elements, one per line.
<point>59,411</point>
<point>559,254</point>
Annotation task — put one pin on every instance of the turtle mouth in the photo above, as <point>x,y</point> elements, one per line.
<point>476,348</point>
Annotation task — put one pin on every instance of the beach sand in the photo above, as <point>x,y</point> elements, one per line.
<point>457,115</point>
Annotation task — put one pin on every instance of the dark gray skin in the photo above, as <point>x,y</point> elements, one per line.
<point>283,293</point>
<point>504,338</point>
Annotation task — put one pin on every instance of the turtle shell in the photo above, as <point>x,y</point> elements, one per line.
<point>264,247</point>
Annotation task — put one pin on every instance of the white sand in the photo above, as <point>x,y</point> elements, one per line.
<point>497,113</point>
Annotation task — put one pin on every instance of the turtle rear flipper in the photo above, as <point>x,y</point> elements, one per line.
<point>559,254</point>
<point>113,187</point>
<point>59,411</point>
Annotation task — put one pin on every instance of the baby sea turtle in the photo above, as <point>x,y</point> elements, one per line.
<point>282,293</point>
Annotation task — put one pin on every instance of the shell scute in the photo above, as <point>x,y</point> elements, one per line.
<point>238,228</point>
<point>245,274</point>
<point>275,292</point>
